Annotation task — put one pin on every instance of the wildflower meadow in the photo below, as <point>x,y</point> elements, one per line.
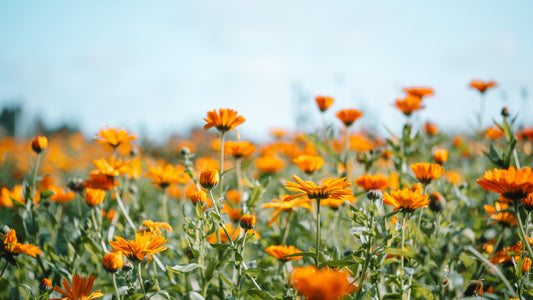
<point>321,215</point>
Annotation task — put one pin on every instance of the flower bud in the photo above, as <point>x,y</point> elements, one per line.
<point>437,202</point>
<point>505,112</point>
<point>198,196</point>
<point>128,266</point>
<point>374,194</point>
<point>185,151</point>
<point>38,144</point>
<point>75,184</point>
<point>247,222</point>
<point>94,197</point>
<point>440,156</point>
<point>526,264</point>
<point>209,178</point>
<point>113,262</point>
<point>45,285</point>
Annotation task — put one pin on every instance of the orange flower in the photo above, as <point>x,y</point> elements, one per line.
<point>6,196</point>
<point>285,205</point>
<point>528,202</point>
<point>453,177</point>
<point>269,164</point>
<point>425,172</point>
<point>101,181</point>
<point>163,177</point>
<point>233,196</point>
<point>111,168</point>
<point>113,138</point>
<point>359,143</point>
<point>409,104</point>
<point>13,247</point>
<point>430,128</point>
<point>80,289</point>
<point>209,178</point>
<point>323,102</point>
<point>440,156</point>
<point>247,222</point>
<point>348,116</point>
<point>406,200</point>
<point>482,86</point>
<point>38,144</point>
<point>113,261</point>
<point>503,256</point>
<point>308,163</point>
<point>279,252</point>
<point>371,182</point>
<point>234,214</point>
<point>498,212</point>
<point>61,195</point>
<point>94,196</point>
<point>335,203</point>
<point>330,189</point>
<point>239,149</point>
<point>494,133</point>
<point>224,120</point>
<point>153,227</point>
<point>140,249</point>
<point>513,184</point>
<point>419,92</point>
<point>212,239</point>
<point>324,284</point>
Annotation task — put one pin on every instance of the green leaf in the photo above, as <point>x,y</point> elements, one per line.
<point>398,252</point>
<point>254,272</point>
<point>195,296</point>
<point>260,295</point>
<point>227,281</point>
<point>136,297</point>
<point>20,227</point>
<point>184,268</point>
<point>337,263</point>
<point>257,191</point>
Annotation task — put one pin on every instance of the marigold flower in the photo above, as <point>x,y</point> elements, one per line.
<point>113,137</point>
<point>323,102</point>
<point>453,177</point>
<point>80,289</point>
<point>308,163</point>
<point>440,156</point>
<point>13,247</point>
<point>425,172</point>
<point>526,263</point>
<point>94,196</point>
<point>212,239</point>
<point>405,200</point>
<point>209,178</point>
<point>348,116</point>
<point>101,181</point>
<point>528,202</point>
<point>61,195</point>
<point>372,182</point>
<point>233,196</point>
<point>419,92</point>
<point>38,144</point>
<point>269,164</point>
<point>112,167</point>
<point>197,196</point>
<point>280,251</point>
<point>7,196</point>
<point>224,120</point>
<point>247,222</point>
<point>152,227</point>
<point>437,202</point>
<point>234,214</point>
<point>113,261</point>
<point>503,256</point>
<point>324,284</point>
<point>285,205</point>
<point>330,189</point>
<point>513,184</point>
<point>140,249</point>
<point>45,285</point>
<point>360,143</point>
<point>335,203</point>
<point>431,129</point>
<point>498,212</point>
<point>165,176</point>
<point>494,133</point>
<point>482,86</point>
<point>239,149</point>
<point>409,104</point>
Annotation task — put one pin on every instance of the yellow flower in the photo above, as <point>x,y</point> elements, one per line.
<point>224,120</point>
<point>513,184</point>
<point>163,177</point>
<point>153,227</point>
<point>324,284</point>
<point>309,163</point>
<point>140,249</point>
<point>279,252</point>
<point>80,289</point>
<point>38,144</point>
<point>425,172</point>
<point>348,116</point>
<point>113,137</point>
<point>113,261</point>
<point>405,200</point>
<point>330,189</point>
<point>94,196</point>
<point>13,247</point>
<point>111,168</point>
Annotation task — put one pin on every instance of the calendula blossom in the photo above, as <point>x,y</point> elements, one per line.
<point>330,189</point>
<point>113,137</point>
<point>280,251</point>
<point>80,289</point>
<point>513,184</point>
<point>406,200</point>
<point>140,249</point>
<point>324,284</point>
<point>426,172</point>
<point>223,120</point>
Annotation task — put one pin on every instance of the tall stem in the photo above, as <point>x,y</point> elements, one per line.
<point>141,278</point>
<point>367,259</point>
<point>402,257</point>
<point>287,228</point>
<point>115,287</point>
<point>221,164</point>
<point>317,249</point>
<point>164,204</point>
<point>33,193</point>
<point>239,186</point>
<point>522,232</point>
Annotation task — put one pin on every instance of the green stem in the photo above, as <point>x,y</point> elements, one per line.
<point>317,249</point>
<point>164,204</point>
<point>522,234</point>
<point>515,155</point>
<point>78,202</point>
<point>287,228</point>
<point>367,259</point>
<point>239,186</point>
<point>155,276</point>
<point>115,287</point>
<point>141,278</point>
<point>402,257</point>
<point>221,164</point>
<point>93,217</point>
<point>33,193</point>
<point>124,211</point>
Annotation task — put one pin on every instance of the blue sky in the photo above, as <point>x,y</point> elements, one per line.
<point>158,66</point>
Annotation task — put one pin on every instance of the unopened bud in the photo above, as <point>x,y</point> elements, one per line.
<point>247,222</point>
<point>185,151</point>
<point>45,285</point>
<point>374,194</point>
<point>38,144</point>
<point>437,202</point>
<point>505,112</point>
<point>209,178</point>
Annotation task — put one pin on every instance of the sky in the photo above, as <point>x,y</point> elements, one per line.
<point>157,67</point>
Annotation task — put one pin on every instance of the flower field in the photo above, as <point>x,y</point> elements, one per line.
<point>318,215</point>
